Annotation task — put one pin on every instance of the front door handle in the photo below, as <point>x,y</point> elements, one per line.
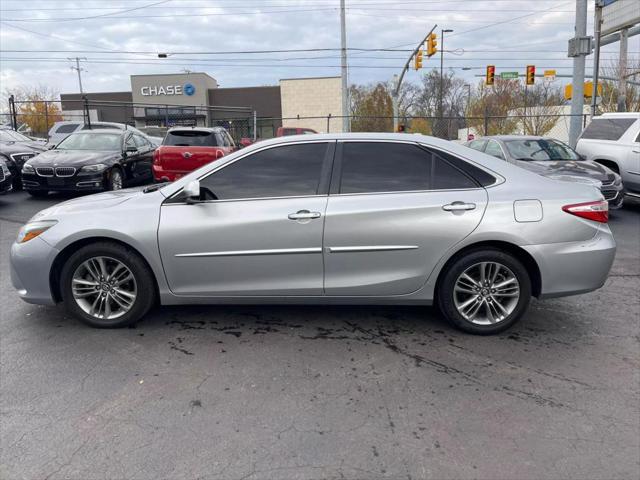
<point>304,215</point>
<point>459,207</point>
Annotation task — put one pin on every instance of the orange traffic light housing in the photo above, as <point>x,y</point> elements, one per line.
<point>432,44</point>
<point>491,75</point>
<point>531,74</point>
<point>417,61</point>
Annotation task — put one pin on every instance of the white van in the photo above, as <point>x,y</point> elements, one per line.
<point>62,130</point>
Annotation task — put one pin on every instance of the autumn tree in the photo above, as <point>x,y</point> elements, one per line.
<point>371,108</point>
<point>35,108</point>
<point>490,106</point>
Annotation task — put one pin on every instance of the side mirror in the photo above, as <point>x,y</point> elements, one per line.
<point>192,192</point>
<point>131,150</point>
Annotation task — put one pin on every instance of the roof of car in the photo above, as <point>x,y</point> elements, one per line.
<point>513,137</point>
<point>196,129</point>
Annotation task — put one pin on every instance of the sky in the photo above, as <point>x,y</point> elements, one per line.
<point>118,38</point>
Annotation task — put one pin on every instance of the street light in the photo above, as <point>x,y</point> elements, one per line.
<point>442,32</point>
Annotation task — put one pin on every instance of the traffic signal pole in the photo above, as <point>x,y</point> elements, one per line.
<point>579,48</point>
<point>398,82</point>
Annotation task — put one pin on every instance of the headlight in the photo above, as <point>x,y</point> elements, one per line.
<point>4,168</point>
<point>98,167</point>
<point>618,180</point>
<point>33,229</point>
<point>26,168</point>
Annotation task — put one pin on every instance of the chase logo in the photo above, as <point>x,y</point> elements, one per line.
<point>189,89</point>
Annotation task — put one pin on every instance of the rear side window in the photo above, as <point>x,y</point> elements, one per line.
<point>370,167</point>
<point>607,128</point>
<point>286,171</point>
<point>67,128</point>
<point>191,138</point>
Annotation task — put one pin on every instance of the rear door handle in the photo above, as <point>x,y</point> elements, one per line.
<point>304,215</point>
<point>459,206</point>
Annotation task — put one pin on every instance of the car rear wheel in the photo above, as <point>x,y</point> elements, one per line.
<point>484,291</point>
<point>38,193</point>
<point>107,285</point>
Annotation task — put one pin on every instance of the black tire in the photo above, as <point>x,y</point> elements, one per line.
<point>445,291</point>
<point>145,282</point>
<point>17,183</point>
<point>112,181</point>
<point>38,193</point>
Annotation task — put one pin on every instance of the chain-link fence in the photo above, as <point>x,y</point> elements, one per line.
<point>37,117</point>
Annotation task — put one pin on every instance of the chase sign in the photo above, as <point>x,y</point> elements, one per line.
<point>153,90</point>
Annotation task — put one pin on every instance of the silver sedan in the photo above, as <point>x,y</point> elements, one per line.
<point>348,218</point>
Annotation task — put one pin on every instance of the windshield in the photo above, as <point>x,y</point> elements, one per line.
<point>191,138</point>
<point>11,136</point>
<point>540,149</point>
<point>91,141</point>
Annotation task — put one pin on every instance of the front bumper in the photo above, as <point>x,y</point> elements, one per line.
<point>77,182</point>
<point>6,184</point>
<point>31,263</point>
<point>572,268</point>
<point>614,195</point>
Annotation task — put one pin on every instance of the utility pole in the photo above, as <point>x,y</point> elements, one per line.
<point>345,77</point>
<point>78,69</point>
<point>597,28</point>
<point>442,32</point>
<point>579,48</point>
<point>622,74</point>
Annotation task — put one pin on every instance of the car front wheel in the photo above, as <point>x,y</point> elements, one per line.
<point>107,285</point>
<point>115,181</point>
<point>484,291</point>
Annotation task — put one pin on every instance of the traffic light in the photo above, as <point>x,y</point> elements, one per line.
<point>531,74</point>
<point>417,61</point>
<point>491,74</point>
<point>432,45</point>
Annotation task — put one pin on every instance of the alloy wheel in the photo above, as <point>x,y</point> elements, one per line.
<point>104,287</point>
<point>486,293</point>
<point>116,180</point>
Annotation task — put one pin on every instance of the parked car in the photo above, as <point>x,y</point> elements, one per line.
<point>613,140</point>
<point>286,131</point>
<point>186,149</point>
<point>553,159</point>
<point>61,130</point>
<point>6,185</point>
<point>15,154</point>
<point>8,135</point>
<point>344,218</point>
<point>90,161</point>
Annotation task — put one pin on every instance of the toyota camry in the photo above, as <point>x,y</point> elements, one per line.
<point>346,218</point>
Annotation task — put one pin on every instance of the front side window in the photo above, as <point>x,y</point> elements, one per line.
<point>541,149</point>
<point>607,128</point>
<point>192,138</point>
<point>477,145</point>
<point>286,171</point>
<point>376,167</point>
<point>493,149</point>
<point>91,141</point>
<point>140,142</point>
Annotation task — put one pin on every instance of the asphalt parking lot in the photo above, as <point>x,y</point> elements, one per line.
<point>323,392</point>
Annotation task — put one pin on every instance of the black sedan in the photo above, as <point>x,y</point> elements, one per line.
<point>91,160</point>
<point>15,154</point>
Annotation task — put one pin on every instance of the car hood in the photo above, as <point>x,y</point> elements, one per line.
<point>568,169</point>
<point>90,203</point>
<point>71,158</point>
<point>9,148</point>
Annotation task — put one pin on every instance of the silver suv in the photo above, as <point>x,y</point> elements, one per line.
<point>613,139</point>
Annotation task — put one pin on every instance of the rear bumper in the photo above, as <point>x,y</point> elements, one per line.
<point>574,267</point>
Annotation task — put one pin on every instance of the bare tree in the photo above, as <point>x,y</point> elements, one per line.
<point>609,102</point>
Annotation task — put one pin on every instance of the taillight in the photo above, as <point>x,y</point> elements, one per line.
<point>596,211</point>
<point>156,156</point>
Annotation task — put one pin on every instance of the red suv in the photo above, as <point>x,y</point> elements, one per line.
<point>185,149</point>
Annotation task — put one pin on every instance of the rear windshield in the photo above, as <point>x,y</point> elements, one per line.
<point>189,138</point>
<point>607,128</point>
